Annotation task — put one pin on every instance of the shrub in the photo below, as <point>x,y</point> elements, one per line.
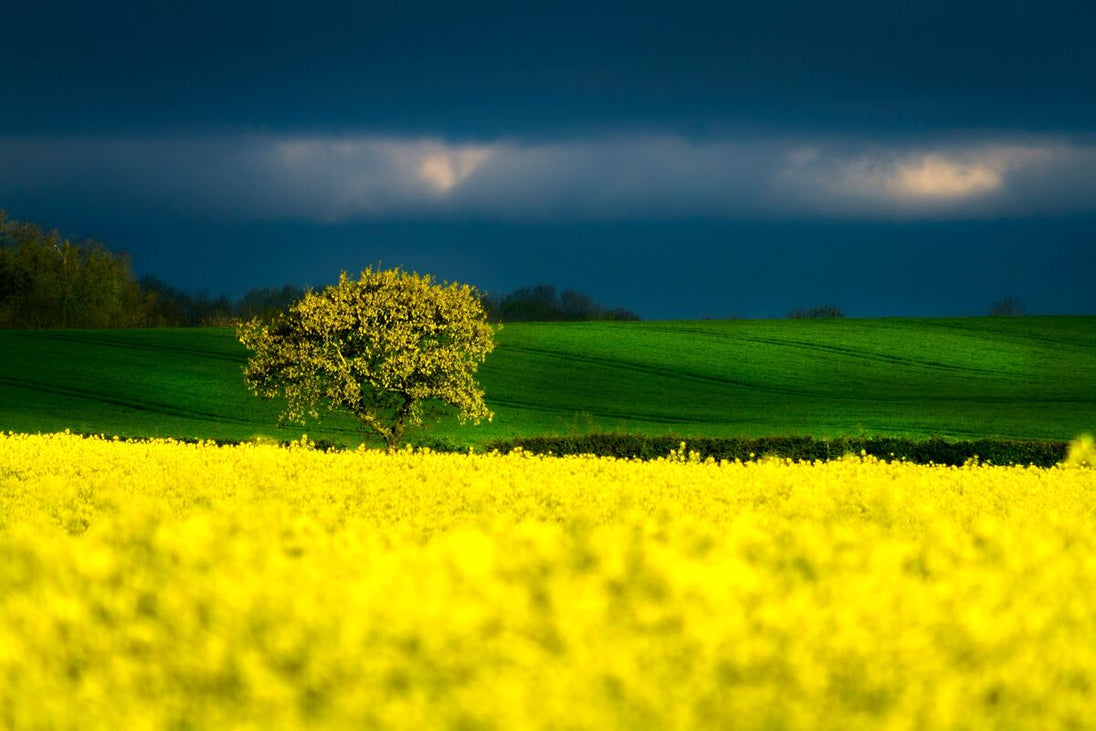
<point>822,312</point>
<point>1006,307</point>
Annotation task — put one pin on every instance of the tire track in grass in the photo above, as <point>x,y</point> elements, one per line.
<point>977,335</point>
<point>855,354</point>
<point>863,355</point>
<point>607,413</point>
<point>131,345</point>
<point>154,407</point>
<point>672,374</point>
<point>806,345</point>
<point>1052,344</point>
<point>799,393</point>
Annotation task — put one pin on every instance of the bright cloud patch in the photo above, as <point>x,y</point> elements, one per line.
<point>950,180</point>
<point>935,176</point>
<point>929,176</point>
<point>445,168</point>
<point>341,178</point>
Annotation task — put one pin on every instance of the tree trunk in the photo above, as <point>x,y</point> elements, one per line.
<point>395,434</point>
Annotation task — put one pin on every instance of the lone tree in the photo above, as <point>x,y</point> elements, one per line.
<point>379,347</point>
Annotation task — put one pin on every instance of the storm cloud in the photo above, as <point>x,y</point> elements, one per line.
<point>676,159</point>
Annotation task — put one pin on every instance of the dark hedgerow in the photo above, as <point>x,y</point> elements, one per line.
<point>931,451</point>
<point>936,450</point>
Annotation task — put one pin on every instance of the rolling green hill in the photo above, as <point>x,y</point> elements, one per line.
<point>1031,377</point>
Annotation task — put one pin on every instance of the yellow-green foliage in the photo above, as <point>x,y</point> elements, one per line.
<point>162,585</point>
<point>378,346</point>
<point>1082,451</point>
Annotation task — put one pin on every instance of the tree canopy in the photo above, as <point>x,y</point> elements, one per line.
<point>379,346</point>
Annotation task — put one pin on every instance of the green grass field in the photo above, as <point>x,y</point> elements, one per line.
<point>1030,377</point>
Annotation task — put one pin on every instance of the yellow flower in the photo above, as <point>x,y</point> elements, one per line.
<point>159,584</point>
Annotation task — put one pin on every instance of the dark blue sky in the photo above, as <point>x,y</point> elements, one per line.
<point>680,160</point>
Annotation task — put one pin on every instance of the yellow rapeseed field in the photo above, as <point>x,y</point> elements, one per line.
<point>165,585</point>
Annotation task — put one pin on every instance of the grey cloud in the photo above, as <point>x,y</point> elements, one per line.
<point>621,178</point>
<point>628,177</point>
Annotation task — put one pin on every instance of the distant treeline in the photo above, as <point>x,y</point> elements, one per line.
<point>176,308</point>
<point>47,281</point>
<point>528,304</point>
<point>542,304</point>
